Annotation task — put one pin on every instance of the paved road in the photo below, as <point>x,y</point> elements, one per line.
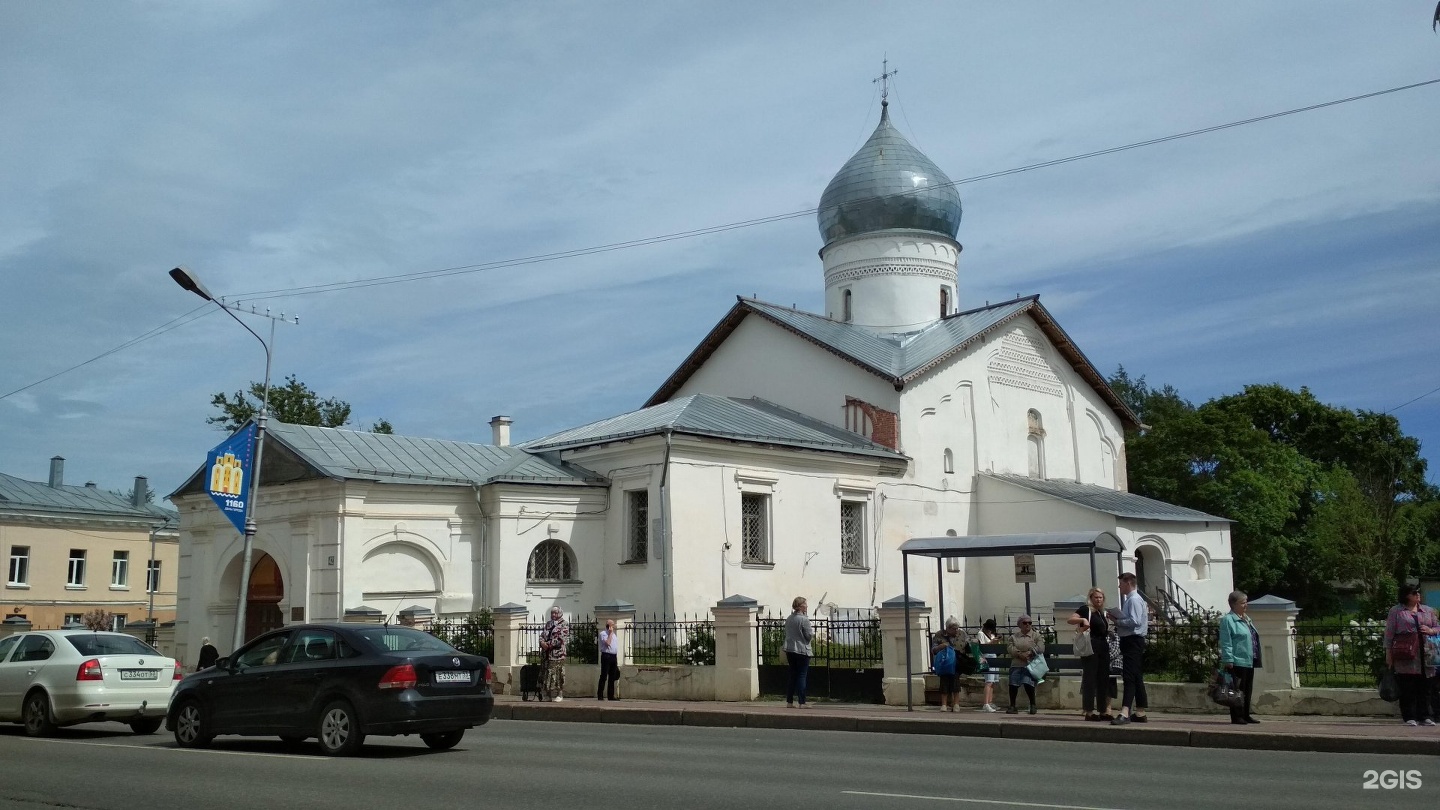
<point>588,766</point>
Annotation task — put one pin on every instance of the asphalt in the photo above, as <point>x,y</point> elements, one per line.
<point>1347,735</point>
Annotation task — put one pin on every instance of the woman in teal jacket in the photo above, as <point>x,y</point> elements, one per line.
<point>1240,653</point>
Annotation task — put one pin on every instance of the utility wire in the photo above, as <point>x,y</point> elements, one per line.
<point>690,234</point>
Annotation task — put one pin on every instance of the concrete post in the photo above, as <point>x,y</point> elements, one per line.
<point>737,670</point>
<point>892,635</point>
<point>623,613</point>
<point>508,655</point>
<point>1274,620</point>
<point>14,625</point>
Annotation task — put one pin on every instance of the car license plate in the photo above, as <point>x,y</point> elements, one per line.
<point>139,674</point>
<point>452,676</point>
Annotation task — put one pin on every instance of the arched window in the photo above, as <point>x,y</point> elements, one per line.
<point>1036,444</point>
<point>949,461</point>
<point>551,561</point>
<point>1199,567</point>
<point>944,301</point>
<point>846,312</point>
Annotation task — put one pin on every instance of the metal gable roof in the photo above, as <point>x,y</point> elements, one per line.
<point>1109,501</point>
<point>18,494</point>
<point>753,420</point>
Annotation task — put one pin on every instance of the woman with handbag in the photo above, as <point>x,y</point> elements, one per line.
<point>1097,686</point>
<point>1024,646</point>
<point>1239,648</point>
<point>1405,630</point>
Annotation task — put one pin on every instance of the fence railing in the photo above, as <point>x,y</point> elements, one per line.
<point>658,640</point>
<point>468,634</point>
<point>1339,654</point>
<point>839,643</point>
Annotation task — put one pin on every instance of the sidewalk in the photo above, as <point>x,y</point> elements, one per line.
<point>1350,735</point>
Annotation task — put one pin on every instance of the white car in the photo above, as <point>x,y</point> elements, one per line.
<point>53,678</point>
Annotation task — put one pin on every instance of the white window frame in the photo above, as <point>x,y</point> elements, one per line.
<point>637,528</point>
<point>152,576</point>
<point>117,622</point>
<point>18,574</point>
<point>120,570</point>
<point>73,618</point>
<point>75,572</point>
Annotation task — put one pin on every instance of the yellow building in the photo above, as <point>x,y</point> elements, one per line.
<point>72,549</point>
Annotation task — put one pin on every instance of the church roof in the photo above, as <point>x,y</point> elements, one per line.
<point>888,184</point>
<point>898,358</point>
<point>1110,501</point>
<point>749,420</point>
<point>394,459</point>
<point>18,495</point>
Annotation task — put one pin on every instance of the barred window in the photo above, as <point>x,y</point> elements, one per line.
<point>852,534</point>
<point>551,561</point>
<point>638,549</point>
<point>755,527</point>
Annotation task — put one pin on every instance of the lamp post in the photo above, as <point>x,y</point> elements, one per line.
<point>189,282</point>
<point>153,586</point>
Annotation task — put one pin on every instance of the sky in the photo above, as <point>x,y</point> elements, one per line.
<point>270,146</point>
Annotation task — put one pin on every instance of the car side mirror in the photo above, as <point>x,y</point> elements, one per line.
<point>221,663</point>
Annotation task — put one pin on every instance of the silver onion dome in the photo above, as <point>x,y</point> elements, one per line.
<point>888,184</point>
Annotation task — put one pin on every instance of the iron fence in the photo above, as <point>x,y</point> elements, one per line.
<point>1339,653</point>
<point>659,640</point>
<point>849,642</point>
<point>1187,651</point>
<point>473,634</point>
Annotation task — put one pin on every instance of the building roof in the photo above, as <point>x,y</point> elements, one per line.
<point>1110,501</point>
<point>706,415</point>
<point>394,459</point>
<point>18,496</point>
<point>888,184</point>
<point>898,358</point>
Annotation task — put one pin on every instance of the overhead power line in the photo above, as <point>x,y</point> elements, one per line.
<point>400,278</point>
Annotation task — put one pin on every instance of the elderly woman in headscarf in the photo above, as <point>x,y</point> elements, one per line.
<point>1023,646</point>
<point>553,640</point>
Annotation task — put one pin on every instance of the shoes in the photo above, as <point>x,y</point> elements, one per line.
<point>789,705</point>
<point>557,698</point>
<point>1120,720</point>
<point>1012,710</point>
<point>1411,723</point>
<point>1033,709</point>
<point>1251,720</point>
<point>1094,717</point>
<point>950,708</point>
<point>1139,718</point>
<point>991,707</point>
<point>1427,722</point>
<point>1238,723</point>
<point>1107,717</point>
<point>803,705</point>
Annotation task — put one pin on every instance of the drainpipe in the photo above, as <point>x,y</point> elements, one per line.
<point>665,548</point>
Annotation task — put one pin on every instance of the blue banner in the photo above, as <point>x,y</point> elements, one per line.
<point>228,471</point>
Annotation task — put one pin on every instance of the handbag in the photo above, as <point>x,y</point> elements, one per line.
<point>1082,644</point>
<point>1389,689</point>
<point>944,663</point>
<point>1037,667</point>
<point>1406,647</point>
<point>1223,691</point>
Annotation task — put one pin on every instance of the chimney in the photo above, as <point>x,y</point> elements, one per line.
<point>91,485</point>
<point>57,472</point>
<point>500,431</point>
<point>140,496</point>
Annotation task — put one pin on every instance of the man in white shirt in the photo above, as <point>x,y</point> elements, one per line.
<point>609,662</point>
<point>1132,623</point>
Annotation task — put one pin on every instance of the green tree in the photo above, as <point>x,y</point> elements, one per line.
<point>294,403</point>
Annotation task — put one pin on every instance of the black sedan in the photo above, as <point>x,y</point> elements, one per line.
<point>338,683</point>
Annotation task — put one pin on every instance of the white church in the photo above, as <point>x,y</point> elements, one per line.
<point>791,453</point>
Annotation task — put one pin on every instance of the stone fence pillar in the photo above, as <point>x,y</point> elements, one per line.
<point>892,636</point>
<point>1274,620</point>
<point>508,656</point>
<point>14,625</point>
<point>737,670</point>
<point>623,614</point>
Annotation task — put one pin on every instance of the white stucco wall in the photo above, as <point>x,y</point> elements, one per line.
<point>894,279</point>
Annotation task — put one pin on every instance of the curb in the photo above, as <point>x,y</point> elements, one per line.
<point>992,729</point>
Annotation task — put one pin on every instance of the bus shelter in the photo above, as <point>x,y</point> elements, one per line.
<point>944,549</point>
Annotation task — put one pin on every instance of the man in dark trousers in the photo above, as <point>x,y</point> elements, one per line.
<point>1132,623</point>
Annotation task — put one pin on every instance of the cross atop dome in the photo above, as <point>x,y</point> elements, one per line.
<point>884,80</point>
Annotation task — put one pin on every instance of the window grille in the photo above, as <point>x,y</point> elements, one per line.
<point>639,550</point>
<point>852,534</point>
<point>755,527</point>
<point>551,562</point>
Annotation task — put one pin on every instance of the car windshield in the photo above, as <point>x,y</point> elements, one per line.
<point>401,639</point>
<point>98,644</point>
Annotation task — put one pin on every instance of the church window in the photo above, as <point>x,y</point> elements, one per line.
<point>846,313</point>
<point>1035,444</point>
<point>755,527</point>
<point>551,561</point>
<point>949,461</point>
<point>852,534</point>
<point>638,512</point>
<point>857,418</point>
<point>944,301</point>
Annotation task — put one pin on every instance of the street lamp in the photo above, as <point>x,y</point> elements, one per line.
<point>189,282</point>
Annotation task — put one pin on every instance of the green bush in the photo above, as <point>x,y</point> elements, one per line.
<point>473,634</point>
<point>584,644</point>
<point>699,646</point>
<point>1188,651</point>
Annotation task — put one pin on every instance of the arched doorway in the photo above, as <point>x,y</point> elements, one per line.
<point>1149,571</point>
<point>262,600</point>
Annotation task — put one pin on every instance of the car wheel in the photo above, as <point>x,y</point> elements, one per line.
<point>36,715</point>
<point>149,725</point>
<point>443,741</point>
<point>339,733</point>
<point>190,726</point>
